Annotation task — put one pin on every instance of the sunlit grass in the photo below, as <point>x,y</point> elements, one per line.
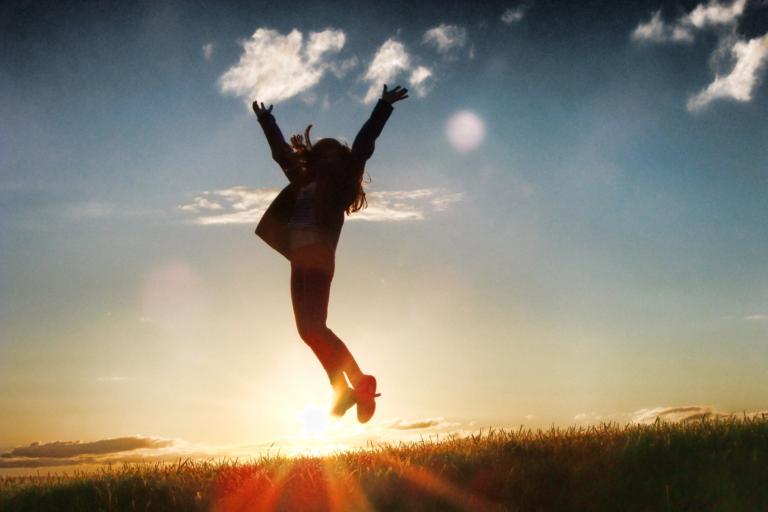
<point>709,465</point>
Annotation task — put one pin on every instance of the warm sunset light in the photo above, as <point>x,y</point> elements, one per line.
<point>314,420</point>
<point>566,223</point>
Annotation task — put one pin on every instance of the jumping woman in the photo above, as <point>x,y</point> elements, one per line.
<point>303,224</point>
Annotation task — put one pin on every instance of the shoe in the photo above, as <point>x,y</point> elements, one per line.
<point>342,402</point>
<point>365,398</point>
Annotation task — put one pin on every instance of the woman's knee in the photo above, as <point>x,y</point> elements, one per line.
<point>311,333</point>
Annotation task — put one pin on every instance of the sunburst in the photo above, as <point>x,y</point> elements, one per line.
<point>314,420</point>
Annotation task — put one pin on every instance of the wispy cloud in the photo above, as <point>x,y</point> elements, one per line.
<point>667,414</point>
<point>446,37</point>
<point>657,31</point>
<point>513,15</point>
<point>405,204</point>
<point>714,14</point>
<point>588,418</point>
<point>676,414</point>
<point>201,203</point>
<point>340,69</point>
<point>417,80</point>
<point>739,84</point>
<point>275,67</point>
<point>756,317</point>
<point>390,61</point>
<point>744,60</point>
<point>208,51</point>
<point>246,206</point>
<point>402,424</point>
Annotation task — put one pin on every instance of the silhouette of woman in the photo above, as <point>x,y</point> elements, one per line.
<point>303,224</point>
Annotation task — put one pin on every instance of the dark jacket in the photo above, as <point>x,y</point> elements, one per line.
<point>336,188</point>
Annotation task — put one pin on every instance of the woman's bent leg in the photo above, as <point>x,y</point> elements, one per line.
<point>312,269</point>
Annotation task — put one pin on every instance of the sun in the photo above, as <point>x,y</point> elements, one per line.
<point>314,419</point>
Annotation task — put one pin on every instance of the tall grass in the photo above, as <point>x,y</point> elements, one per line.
<point>707,465</point>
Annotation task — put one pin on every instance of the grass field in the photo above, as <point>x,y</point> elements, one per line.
<point>719,465</point>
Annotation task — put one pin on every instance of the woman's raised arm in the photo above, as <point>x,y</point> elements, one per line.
<point>365,142</point>
<point>281,151</point>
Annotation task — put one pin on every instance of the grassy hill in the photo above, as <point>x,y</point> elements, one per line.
<point>709,465</point>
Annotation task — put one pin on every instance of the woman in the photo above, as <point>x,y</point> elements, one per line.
<point>304,224</point>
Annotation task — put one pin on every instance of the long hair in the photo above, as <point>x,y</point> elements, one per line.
<point>327,152</point>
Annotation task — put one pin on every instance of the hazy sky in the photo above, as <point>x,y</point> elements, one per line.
<point>567,219</point>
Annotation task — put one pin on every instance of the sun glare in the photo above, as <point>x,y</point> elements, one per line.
<point>314,420</point>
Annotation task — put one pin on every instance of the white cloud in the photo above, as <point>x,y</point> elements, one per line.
<point>711,15</point>
<point>446,37</point>
<point>589,418</point>
<point>416,81</point>
<point>744,59</point>
<point>275,67</point>
<point>658,32</point>
<point>443,202</point>
<point>381,208</point>
<point>208,50</point>
<point>402,424</point>
<point>404,205</point>
<point>742,80</point>
<point>389,62</point>
<point>201,203</point>
<point>342,68</point>
<point>514,15</point>
<point>246,206</point>
<point>715,13</point>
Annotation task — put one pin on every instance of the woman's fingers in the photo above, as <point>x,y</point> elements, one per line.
<point>260,109</point>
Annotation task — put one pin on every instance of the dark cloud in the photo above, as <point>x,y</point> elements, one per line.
<point>675,414</point>
<point>67,449</point>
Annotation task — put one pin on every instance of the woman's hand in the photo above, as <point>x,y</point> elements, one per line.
<point>259,111</point>
<point>392,96</point>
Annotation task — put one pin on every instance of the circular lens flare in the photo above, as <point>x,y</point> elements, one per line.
<point>465,131</point>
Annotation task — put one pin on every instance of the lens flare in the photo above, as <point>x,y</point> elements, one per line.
<point>314,420</point>
<point>465,131</point>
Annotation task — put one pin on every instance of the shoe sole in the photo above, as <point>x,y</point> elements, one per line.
<point>366,400</point>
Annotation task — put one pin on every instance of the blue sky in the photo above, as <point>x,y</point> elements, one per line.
<point>567,220</point>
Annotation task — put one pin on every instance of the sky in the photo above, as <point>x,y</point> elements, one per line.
<point>567,221</point>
